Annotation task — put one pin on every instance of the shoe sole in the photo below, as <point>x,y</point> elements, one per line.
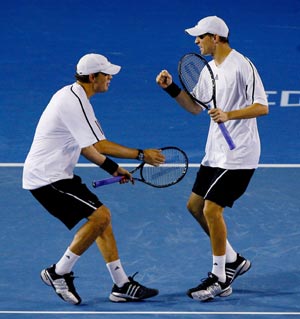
<point>244,268</point>
<point>45,277</point>
<point>115,298</point>
<point>227,292</point>
<point>46,280</point>
<point>224,293</point>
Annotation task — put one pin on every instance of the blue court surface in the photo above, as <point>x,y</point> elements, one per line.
<point>41,44</point>
<point>159,239</point>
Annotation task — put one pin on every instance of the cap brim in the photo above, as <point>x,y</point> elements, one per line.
<point>194,31</point>
<point>112,69</point>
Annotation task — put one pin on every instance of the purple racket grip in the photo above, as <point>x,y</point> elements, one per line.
<point>107,181</point>
<point>227,136</point>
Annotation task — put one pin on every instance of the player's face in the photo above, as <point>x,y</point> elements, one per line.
<point>101,82</point>
<point>205,43</point>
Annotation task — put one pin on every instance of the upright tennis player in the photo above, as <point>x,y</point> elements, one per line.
<point>224,174</point>
<point>67,129</point>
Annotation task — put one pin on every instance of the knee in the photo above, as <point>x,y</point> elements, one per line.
<point>212,212</point>
<point>208,214</point>
<point>194,210</point>
<point>101,218</point>
<point>190,208</point>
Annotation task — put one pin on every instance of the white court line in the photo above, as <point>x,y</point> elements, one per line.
<point>134,165</point>
<point>186,313</point>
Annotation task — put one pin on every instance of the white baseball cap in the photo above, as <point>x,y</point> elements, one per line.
<point>94,63</point>
<point>211,24</point>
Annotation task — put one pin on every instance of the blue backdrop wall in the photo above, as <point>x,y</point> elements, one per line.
<point>41,42</point>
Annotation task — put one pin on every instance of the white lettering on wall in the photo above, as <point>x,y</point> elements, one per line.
<point>290,98</point>
<point>284,98</point>
<point>268,97</point>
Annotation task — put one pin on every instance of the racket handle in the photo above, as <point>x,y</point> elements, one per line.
<point>107,181</point>
<point>226,135</point>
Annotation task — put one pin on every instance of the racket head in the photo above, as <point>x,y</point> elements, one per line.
<point>197,78</point>
<point>170,173</point>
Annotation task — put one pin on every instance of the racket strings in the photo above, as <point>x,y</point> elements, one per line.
<point>170,172</point>
<point>195,77</point>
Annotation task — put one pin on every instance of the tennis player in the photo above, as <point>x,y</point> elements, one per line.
<point>224,174</point>
<point>67,129</point>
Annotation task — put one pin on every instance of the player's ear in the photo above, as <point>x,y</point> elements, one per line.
<point>91,77</point>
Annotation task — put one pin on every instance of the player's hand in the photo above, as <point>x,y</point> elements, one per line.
<point>127,177</point>
<point>164,79</point>
<point>153,157</point>
<point>218,116</point>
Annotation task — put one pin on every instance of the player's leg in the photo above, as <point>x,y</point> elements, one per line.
<point>223,187</point>
<point>231,186</point>
<point>125,288</point>
<point>195,206</point>
<point>91,230</point>
<point>213,214</point>
<point>60,275</point>
<point>210,216</point>
<point>71,201</point>
<point>215,284</point>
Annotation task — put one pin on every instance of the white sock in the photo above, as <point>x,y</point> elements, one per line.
<point>218,268</point>
<point>117,273</point>
<point>66,263</point>
<point>231,254</point>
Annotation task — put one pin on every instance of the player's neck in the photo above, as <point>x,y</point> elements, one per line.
<point>221,53</point>
<point>87,88</point>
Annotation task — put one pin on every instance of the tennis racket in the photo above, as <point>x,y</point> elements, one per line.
<point>197,79</point>
<point>170,173</point>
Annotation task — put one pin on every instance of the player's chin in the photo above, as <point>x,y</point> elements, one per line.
<point>104,89</point>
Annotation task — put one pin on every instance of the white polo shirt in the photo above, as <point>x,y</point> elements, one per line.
<point>238,85</point>
<point>67,125</point>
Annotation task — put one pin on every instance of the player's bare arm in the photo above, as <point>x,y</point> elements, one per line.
<point>164,79</point>
<point>251,111</point>
<point>91,153</point>
<point>151,156</point>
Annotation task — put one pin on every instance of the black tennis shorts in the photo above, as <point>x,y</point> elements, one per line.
<point>222,186</point>
<point>69,200</point>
